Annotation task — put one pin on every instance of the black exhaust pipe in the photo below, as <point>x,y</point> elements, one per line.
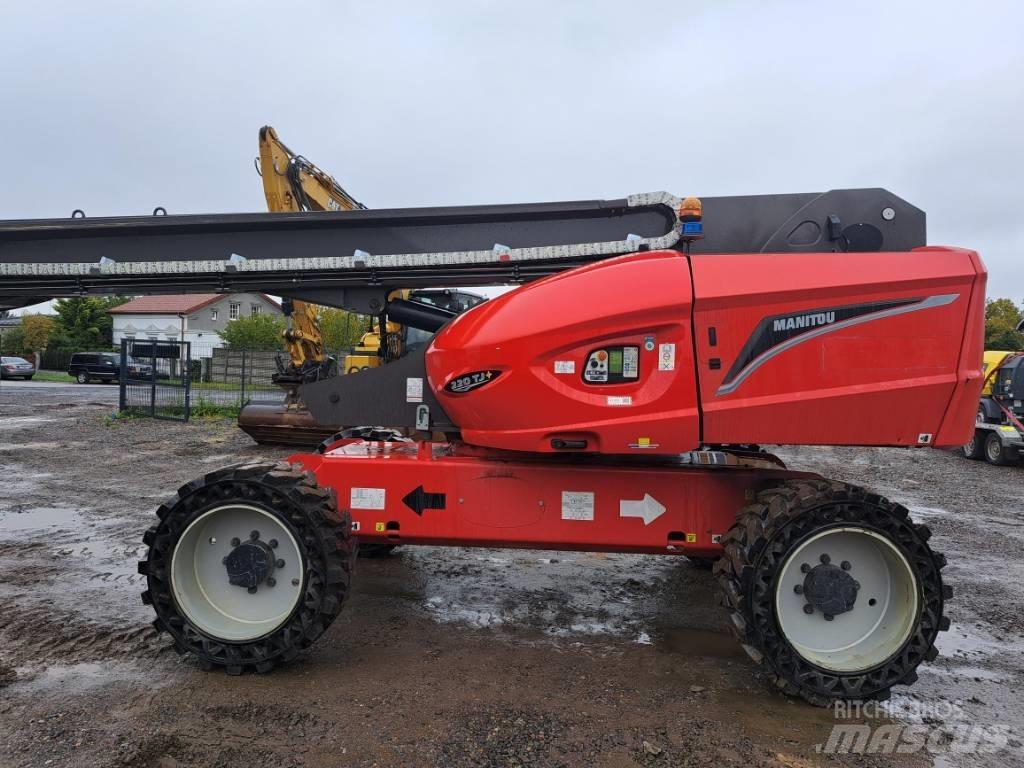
<point>415,314</point>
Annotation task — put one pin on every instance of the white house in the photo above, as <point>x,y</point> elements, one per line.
<point>198,318</point>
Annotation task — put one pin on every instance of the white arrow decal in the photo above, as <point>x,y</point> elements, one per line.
<point>648,508</point>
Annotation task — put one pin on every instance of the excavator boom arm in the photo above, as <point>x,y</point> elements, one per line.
<point>293,184</point>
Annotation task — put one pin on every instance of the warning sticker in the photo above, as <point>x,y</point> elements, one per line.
<point>620,400</point>
<point>413,390</point>
<point>355,525</point>
<point>366,498</point>
<point>666,357</point>
<point>577,505</point>
<point>691,538</point>
<point>630,362</point>
<point>565,366</point>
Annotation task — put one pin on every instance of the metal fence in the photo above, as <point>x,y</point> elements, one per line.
<point>222,376</point>
<point>154,379</point>
<point>175,379</point>
<point>56,359</point>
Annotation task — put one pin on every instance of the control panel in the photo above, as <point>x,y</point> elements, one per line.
<point>612,365</point>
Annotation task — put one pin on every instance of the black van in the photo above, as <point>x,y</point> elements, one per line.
<point>105,367</point>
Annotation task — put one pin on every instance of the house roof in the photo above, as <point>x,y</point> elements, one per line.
<point>173,305</point>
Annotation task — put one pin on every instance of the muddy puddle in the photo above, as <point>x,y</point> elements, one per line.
<point>40,518</point>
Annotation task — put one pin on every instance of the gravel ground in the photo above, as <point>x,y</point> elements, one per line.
<point>446,657</point>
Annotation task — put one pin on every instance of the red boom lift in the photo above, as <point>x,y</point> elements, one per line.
<point>615,402</point>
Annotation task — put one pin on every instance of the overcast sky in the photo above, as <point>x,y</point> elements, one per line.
<point>116,108</point>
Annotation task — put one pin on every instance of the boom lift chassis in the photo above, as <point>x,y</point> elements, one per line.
<point>831,589</point>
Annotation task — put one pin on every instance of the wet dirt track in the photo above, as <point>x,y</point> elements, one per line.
<point>442,657</point>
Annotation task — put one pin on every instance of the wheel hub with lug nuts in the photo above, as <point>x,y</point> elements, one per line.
<point>237,572</point>
<point>252,563</point>
<point>828,588</point>
<point>851,616</point>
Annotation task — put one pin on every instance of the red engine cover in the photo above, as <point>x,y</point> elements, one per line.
<point>534,343</point>
<point>837,349</point>
<point>840,348</point>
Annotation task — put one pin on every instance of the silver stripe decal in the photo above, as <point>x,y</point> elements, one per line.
<point>928,303</point>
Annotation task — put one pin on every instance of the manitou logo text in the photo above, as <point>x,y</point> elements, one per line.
<point>812,320</point>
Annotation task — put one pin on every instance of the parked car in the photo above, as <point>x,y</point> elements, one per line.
<point>16,368</point>
<point>105,367</point>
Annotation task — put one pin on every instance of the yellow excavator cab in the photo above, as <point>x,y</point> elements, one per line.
<point>991,360</point>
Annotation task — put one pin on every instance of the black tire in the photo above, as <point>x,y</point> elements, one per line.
<point>322,534</point>
<point>756,548</point>
<point>998,454</point>
<point>82,377</point>
<point>28,378</point>
<point>975,449</point>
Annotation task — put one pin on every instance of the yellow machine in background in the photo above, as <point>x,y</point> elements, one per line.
<point>291,184</point>
<point>399,339</point>
<point>991,360</point>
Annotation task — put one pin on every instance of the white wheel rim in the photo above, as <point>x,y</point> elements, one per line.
<point>883,616</point>
<point>199,579</point>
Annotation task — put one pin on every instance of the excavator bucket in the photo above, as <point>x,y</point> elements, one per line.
<point>282,424</point>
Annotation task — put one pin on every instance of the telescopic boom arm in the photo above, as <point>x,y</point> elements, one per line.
<point>353,259</point>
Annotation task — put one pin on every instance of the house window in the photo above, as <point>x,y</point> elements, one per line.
<point>213,314</point>
<point>233,310</point>
<point>255,309</point>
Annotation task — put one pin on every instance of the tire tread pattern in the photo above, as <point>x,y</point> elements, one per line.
<point>322,531</point>
<point>754,551</point>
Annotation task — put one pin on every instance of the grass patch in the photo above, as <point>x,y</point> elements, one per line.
<point>57,376</point>
<point>205,409</point>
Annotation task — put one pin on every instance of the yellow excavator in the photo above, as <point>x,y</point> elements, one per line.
<point>291,184</point>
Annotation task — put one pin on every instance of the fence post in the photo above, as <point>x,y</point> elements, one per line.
<point>152,378</point>
<point>244,353</point>
<point>123,384</point>
<point>187,376</point>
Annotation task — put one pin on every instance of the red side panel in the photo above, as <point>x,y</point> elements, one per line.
<point>838,349</point>
<point>516,363</point>
<point>958,424</point>
<point>430,494</point>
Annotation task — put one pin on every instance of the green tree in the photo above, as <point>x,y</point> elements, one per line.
<point>12,341</point>
<point>341,330</point>
<point>260,332</point>
<point>37,330</point>
<point>1001,319</point>
<point>85,322</point>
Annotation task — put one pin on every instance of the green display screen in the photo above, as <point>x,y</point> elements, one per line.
<point>615,361</point>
